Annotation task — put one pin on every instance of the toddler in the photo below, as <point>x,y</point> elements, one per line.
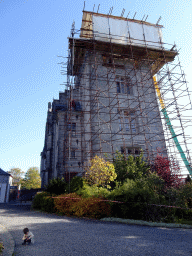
<point>28,237</point>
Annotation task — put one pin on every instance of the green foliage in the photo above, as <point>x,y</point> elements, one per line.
<point>138,191</point>
<point>188,179</point>
<point>186,195</point>
<point>90,191</point>
<point>48,204</point>
<point>143,195</point>
<point>129,167</point>
<point>100,172</point>
<point>76,184</point>
<point>32,179</point>
<point>43,201</point>
<point>17,174</point>
<point>1,247</point>
<point>57,186</point>
<point>136,196</point>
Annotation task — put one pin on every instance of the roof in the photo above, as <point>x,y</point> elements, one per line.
<point>4,173</point>
<point>159,57</point>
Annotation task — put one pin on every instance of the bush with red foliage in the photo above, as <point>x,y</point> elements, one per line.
<point>74,205</point>
<point>168,170</point>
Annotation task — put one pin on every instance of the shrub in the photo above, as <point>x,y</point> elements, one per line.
<point>65,205</point>
<point>100,172</point>
<point>48,204</point>
<point>168,170</point>
<point>90,191</point>
<point>188,179</point>
<point>92,207</point>
<point>186,195</point>
<point>1,247</point>
<point>129,167</point>
<point>136,196</point>
<point>44,202</point>
<point>72,204</point>
<point>57,186</point>
<point>76,184</point>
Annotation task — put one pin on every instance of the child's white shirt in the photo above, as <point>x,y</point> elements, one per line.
<point>30,236</point>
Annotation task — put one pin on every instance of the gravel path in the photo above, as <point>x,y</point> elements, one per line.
<point>55,235</point>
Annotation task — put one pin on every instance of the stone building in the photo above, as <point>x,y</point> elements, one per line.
<point>5,183</point>
<point>110,101</point>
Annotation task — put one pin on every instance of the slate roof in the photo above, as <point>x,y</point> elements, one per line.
<point>4,173</point>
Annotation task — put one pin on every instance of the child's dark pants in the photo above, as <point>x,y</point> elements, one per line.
<point>26,241</point>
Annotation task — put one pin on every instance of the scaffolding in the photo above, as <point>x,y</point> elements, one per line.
<point>125,90</point>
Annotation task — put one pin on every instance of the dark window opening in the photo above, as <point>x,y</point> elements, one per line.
<point>129,151</point>
<point>118,87</point>
<point>71,126</point>
<point>124,86</point>
<point>135,151</point>
<point>72,153</point>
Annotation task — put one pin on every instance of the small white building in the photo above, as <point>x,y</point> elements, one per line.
<point>5,183</point>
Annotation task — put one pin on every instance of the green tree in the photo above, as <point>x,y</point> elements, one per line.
<point>100,172</point>
<point>129,167</point>
<point>188,179</point>
<point>17,174</point>
<point>57,186</point>
<point>32,179</point>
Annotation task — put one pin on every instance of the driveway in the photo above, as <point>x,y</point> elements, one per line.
<point>56,235</point>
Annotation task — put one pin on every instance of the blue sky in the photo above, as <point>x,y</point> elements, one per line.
<point>33,34</point>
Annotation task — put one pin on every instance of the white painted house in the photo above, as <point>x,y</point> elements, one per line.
<point>5,183</point>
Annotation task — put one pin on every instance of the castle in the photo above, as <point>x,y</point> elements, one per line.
<point>110,102</point>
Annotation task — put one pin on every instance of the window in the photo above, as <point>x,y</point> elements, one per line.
<point>72,127</point>
<point>124,85</point>
<point>69,127</point>
<point>120,125</point>
<point>128,121</point>
<point>135,151</point>
<point>72,153</point>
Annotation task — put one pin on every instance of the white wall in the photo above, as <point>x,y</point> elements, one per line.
<point>126,32</point>
<point>2,192</point>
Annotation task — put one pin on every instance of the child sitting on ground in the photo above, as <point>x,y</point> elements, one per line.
<point>28,237</point>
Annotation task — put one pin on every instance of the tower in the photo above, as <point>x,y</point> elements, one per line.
<point>111,99</point>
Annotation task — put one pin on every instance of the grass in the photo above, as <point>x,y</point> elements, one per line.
<point>1,247</point>
<point>188,222</point>
<point>184,224</point>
